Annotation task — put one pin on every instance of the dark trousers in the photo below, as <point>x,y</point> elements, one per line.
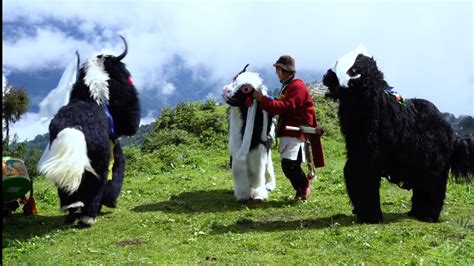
<point>293,171</point>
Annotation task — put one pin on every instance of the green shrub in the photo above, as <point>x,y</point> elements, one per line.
<point>189,123</point>
<point>173,157</point>
<point>326,113</point>
<point>168,137</point>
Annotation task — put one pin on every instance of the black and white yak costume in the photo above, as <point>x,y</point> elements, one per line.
<point>84,151</point>
<point>408,142</point>
<point>250,138</point>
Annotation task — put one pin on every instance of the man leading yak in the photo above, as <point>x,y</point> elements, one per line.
<point>295,109</point>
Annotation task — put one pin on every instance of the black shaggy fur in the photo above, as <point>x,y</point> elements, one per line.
<point>84,113</point>
<point>411,145</point>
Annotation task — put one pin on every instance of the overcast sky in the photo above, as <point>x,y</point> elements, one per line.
<point>424,48</point>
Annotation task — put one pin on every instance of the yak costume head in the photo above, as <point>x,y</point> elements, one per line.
<point>105,80</point>
<point>355,72</point>
<point>237,94</point>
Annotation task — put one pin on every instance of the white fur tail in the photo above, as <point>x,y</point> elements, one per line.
<point>65,160</point>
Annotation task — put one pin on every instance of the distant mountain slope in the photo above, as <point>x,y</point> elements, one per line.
<point>326,111</point>
<point>41,141</point>
<point>179,82</point>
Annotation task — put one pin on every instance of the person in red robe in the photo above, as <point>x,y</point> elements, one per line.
<point>294,107</point>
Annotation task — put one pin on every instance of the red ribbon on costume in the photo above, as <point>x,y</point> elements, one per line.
<point>130,81</point>
<point>248,101</point>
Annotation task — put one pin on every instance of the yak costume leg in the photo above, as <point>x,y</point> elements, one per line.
<point>257,160</point>
<point>91,190</point>
<point>83,203</point>
<point>70,203</point>
<point>428,198</point>
<point>270,182</point>
<point>91,187</point>
<point>363,189</point>
<point>113,187</point>
<point>240,180</point>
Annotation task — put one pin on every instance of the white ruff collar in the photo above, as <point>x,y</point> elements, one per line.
<point>96,79</point>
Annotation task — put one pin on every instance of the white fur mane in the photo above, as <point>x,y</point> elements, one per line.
<point>96,79</point>
<point>250,78</point>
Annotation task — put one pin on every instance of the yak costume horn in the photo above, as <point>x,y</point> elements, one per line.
<point>120,57</point>
<point>242,71</point>
<point>78,65</point>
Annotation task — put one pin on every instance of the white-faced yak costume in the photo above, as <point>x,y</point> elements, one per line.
<point>84,151</point>
<point>250,138</point>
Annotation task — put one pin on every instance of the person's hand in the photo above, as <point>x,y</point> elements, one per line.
<point>319,131</point>
<point>258,95</point>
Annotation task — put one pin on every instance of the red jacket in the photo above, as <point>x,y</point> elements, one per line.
<point>295,108</point>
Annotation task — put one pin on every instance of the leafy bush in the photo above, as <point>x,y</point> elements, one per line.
<point>189,123</point>
<point>173,157</point>
<point>168,137</point>
<point>326,113</point>
<point>164,158</point>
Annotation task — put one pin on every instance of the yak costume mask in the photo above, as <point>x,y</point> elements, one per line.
<point>250,136</point>
<point>84,151</point>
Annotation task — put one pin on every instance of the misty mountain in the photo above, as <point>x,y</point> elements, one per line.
<point>190,84</point>
<point>37,84</point>
<point>463,125</point>
<point>41,141</point>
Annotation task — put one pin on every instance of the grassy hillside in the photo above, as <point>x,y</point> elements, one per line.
<point>177,207</point>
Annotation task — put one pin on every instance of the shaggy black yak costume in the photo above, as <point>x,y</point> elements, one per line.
<point>250,137</point>
<point>84,151</point>
<point>408,142</point>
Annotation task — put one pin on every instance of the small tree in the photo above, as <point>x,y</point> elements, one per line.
<point>14,104</point>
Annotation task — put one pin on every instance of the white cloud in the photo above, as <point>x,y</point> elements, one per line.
<point>168,88</point>
<point>49,48</point>
<point>29,126</point>
<point>149,118</point>
<point>424,48</point>
<point>4,84</point>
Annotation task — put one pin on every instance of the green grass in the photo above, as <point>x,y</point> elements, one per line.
<point>185,213</point>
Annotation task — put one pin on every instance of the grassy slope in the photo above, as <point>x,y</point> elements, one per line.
<point>188,215</point>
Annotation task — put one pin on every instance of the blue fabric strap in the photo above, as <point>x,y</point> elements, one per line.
<point>111,120</point>
<point>390,92</point>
